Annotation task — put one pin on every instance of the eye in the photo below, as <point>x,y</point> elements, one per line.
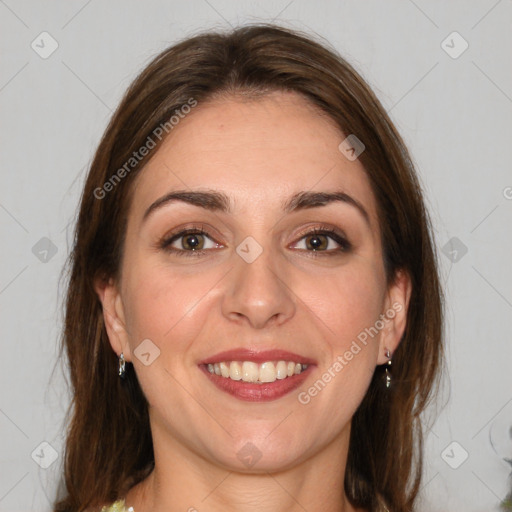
<point>189,242</point>
<point>195,241</point>
<point>324,240</point>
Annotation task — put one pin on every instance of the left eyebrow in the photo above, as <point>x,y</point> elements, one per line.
<point>218,201</point>
<point>304,200</point>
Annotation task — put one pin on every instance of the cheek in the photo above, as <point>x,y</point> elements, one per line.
<point>348,301</point>
<point>164,305</point>
<point>348,306</point>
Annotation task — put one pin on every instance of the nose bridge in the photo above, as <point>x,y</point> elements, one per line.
<point>257,288</point>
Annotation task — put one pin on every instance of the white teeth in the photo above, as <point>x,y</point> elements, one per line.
<point>235,371</point>
<point>249,371</point>
<point>267,372</point>
<point>281,370</point>
<point>224,369</point>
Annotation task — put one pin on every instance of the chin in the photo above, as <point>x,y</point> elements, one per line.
<point>259,455</point>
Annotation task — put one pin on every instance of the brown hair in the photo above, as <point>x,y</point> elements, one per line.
<point>109,446</point>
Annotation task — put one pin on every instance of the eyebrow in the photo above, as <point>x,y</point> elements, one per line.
<point>218,201</point>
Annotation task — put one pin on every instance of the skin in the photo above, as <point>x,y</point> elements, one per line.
<point>258,152</point>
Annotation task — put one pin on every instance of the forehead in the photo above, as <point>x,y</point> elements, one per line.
<point>257,151</point>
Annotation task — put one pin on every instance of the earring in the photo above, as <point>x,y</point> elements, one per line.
<point>388,369</point>
<point>122,366</point>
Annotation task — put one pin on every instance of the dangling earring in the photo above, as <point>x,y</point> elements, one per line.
<point>388,369</point>
<point>122,366</point>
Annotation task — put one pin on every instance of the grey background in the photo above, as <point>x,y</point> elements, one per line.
<point>454,113</point>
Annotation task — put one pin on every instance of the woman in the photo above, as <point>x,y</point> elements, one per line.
<point>254,316</point>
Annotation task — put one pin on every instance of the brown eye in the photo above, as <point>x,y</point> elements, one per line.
<point>189,242</point>
<point>317,242</point>
<point>327,241</point>
<point>193,242</point>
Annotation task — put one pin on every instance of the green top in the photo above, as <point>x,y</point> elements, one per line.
<point>117,506</point>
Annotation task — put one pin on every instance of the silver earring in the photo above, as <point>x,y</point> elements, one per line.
<point>122,366</point>
<point>388,369</point>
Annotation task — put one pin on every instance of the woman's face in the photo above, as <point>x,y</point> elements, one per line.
<point>252,276</point>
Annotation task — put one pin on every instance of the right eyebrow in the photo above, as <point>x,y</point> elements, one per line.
<point>210,200</point>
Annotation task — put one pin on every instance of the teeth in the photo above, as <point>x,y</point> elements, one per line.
<point>249,371</point>
<point>281,370</point>
<point>224,369</point>
<point>235,371</point>
<point>267,372</point>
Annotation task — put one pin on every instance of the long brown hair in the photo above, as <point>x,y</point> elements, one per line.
<point>109,446</point>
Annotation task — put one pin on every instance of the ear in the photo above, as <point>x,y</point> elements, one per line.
<point>395,314</point>
<point>113,316</point>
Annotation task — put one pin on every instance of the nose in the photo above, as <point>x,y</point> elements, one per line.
<point>257,293</point>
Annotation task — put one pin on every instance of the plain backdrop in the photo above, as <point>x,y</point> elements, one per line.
<point>450,96</point>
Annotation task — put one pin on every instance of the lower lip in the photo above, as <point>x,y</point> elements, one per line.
<point>251,392</point>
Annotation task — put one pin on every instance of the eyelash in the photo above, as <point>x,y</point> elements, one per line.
<point>345,245</point>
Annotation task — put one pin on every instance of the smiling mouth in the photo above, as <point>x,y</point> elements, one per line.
<point>249,371</point>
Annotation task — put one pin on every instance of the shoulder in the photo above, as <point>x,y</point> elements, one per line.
<point>117,506</point>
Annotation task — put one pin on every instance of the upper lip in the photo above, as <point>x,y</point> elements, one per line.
<point>257,356</point>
